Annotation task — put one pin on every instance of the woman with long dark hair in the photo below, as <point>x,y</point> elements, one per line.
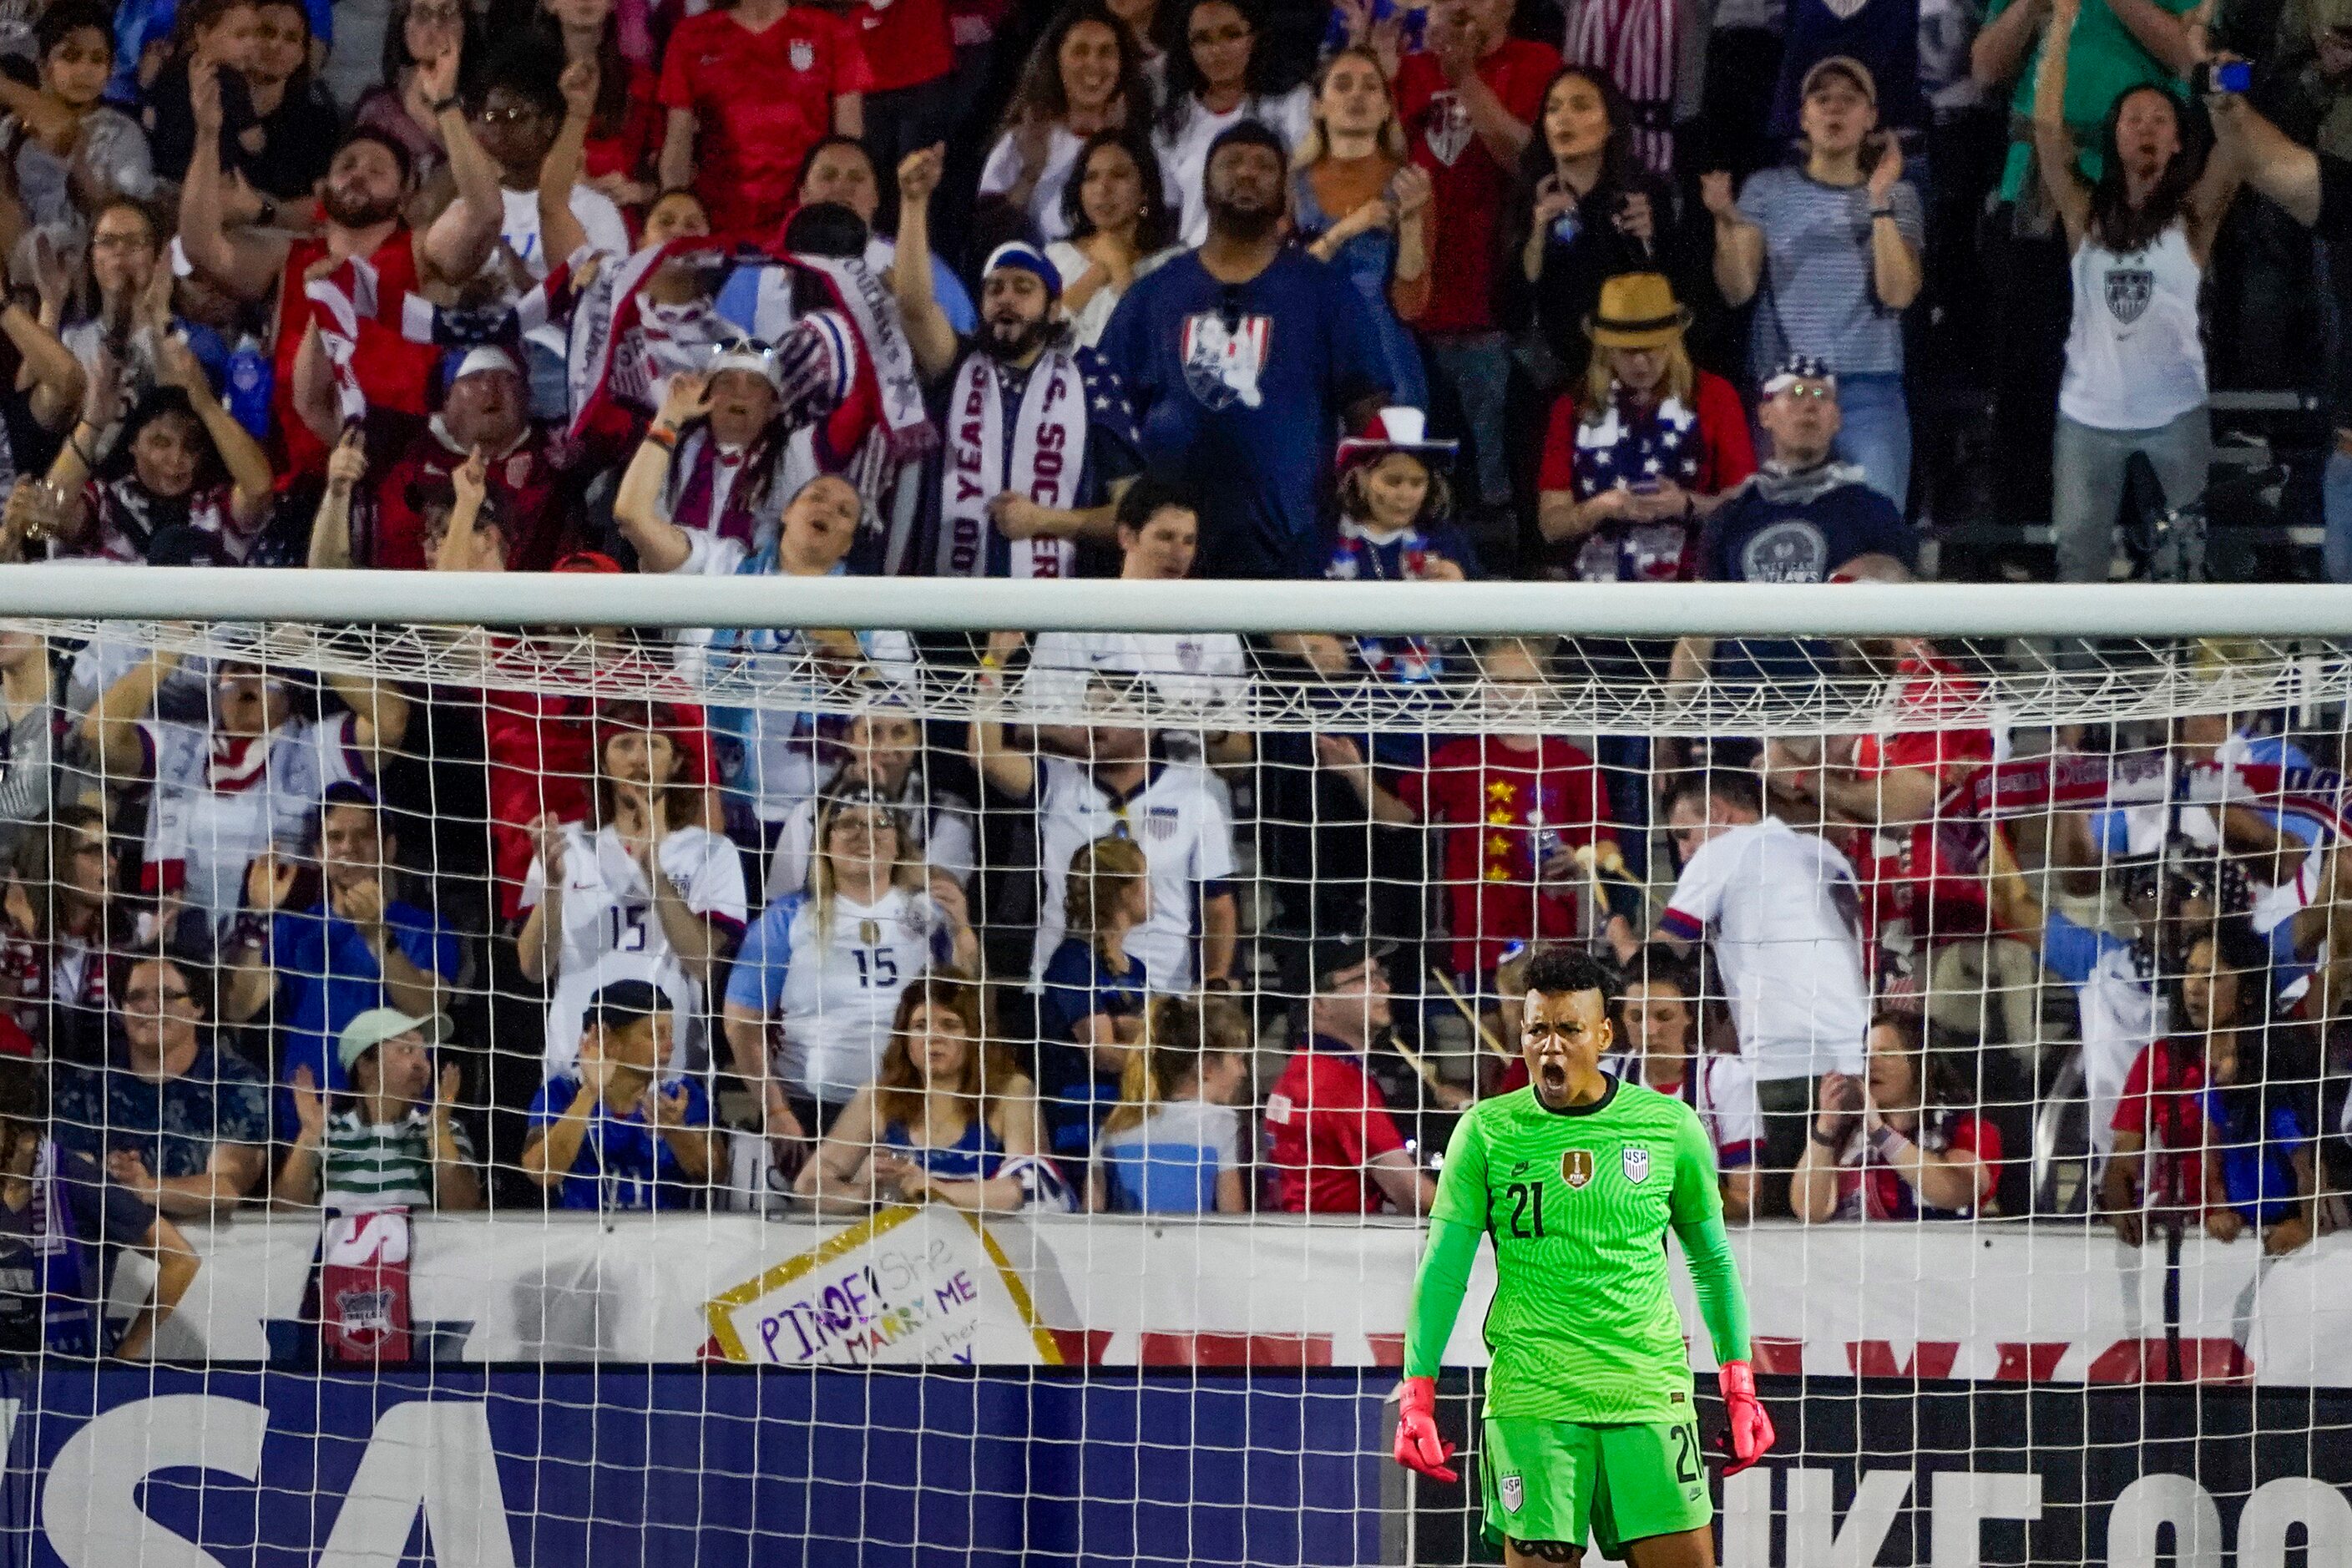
<point>1085,75</point>
<point>2198,1100</point>
<point>1120,226</point>
<point>949,1118</point>
<point>1903,1142</point>
<point>183,484</point>
<point>1217,76</point>
<point>1584,210</point>
<point>420,30</point>
<point>2140,237</point>
<point>626,130</point>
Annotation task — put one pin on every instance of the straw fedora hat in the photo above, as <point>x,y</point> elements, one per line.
<point>1637,311</point>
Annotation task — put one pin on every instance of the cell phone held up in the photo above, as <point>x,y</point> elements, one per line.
<point>2207,77</point>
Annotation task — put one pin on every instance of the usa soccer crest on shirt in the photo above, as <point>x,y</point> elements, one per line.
<point>1637,1162</point>
<point>1514,1492</point>
<point>1224,356</point>
<point>1448,128</point>
<point>803,54</point>
<point>2129,288</point>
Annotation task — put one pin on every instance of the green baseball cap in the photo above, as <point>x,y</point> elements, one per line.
<point>377,1025</point>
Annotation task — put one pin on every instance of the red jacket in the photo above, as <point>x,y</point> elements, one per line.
<point>1325,1121</point>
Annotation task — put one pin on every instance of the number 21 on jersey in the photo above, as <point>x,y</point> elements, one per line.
<point>1523,1216</point>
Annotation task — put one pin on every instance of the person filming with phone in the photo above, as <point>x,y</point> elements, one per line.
<point>2314,186</point>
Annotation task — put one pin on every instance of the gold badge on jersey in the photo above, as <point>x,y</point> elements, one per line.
<point>869,932</point>
<point>1576,1167</point>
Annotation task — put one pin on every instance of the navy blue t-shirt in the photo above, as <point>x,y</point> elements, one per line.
<point>1754,539</point>
<point>1238,390</point>
<point>1884,35</point>
<point>1077,1093</point>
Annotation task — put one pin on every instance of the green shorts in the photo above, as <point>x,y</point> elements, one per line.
<point>1557,1480</point>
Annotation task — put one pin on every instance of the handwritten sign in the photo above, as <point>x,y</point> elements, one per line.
<point>910,1286</point>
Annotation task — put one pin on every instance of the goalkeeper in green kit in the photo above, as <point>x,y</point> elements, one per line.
<point>1590,1421</point>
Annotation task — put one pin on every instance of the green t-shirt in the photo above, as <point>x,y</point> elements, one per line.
<point>1583,1326</point>
<point>369,1165</point>
<point>2104,62</point>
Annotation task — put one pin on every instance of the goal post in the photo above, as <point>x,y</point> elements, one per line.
<point>914,1096</point>
<point>2131,610</point>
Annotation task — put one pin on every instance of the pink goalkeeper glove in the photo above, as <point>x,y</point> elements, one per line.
<point>1418,1445</point>
<point>1748,1431</point>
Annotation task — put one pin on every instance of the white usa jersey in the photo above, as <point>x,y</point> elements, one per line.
<point>832,987</point>
<point>220,800</point>
<point>1781,911</point>
<point>610,931</point>
<point>1203,671</point>
<point>1186,831</point>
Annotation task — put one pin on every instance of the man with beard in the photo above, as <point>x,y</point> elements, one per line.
<point>367,187</point>
<point>1039,441</point>
<point>1241,359</point>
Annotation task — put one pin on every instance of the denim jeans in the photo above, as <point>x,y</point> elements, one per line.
<point>1477,366</point>
<point>2336,506</point>
<point>1876,431</point>
<point>2087,483</point>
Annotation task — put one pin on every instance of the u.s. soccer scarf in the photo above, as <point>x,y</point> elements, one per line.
<point>71,1319</point>
<point>886,354</point>
<point>1049,449</point>
<point>609,359</point>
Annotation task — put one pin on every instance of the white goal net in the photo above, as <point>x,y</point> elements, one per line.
<point>564,1092</point>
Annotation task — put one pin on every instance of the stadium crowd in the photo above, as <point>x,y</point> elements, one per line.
<point>1636,292</point>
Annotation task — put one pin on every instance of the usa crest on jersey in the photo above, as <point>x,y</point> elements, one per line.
<point>1637,1162</point>
<point>803,54</point>
<point>1223,358</point>
<point>1514,1492</point>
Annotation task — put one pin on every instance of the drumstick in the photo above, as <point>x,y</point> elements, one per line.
<point>1470,1013</point>
<point>1588,856</point>
<point>1416,1061</point>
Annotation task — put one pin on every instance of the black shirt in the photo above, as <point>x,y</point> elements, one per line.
<point>2335,220</point>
